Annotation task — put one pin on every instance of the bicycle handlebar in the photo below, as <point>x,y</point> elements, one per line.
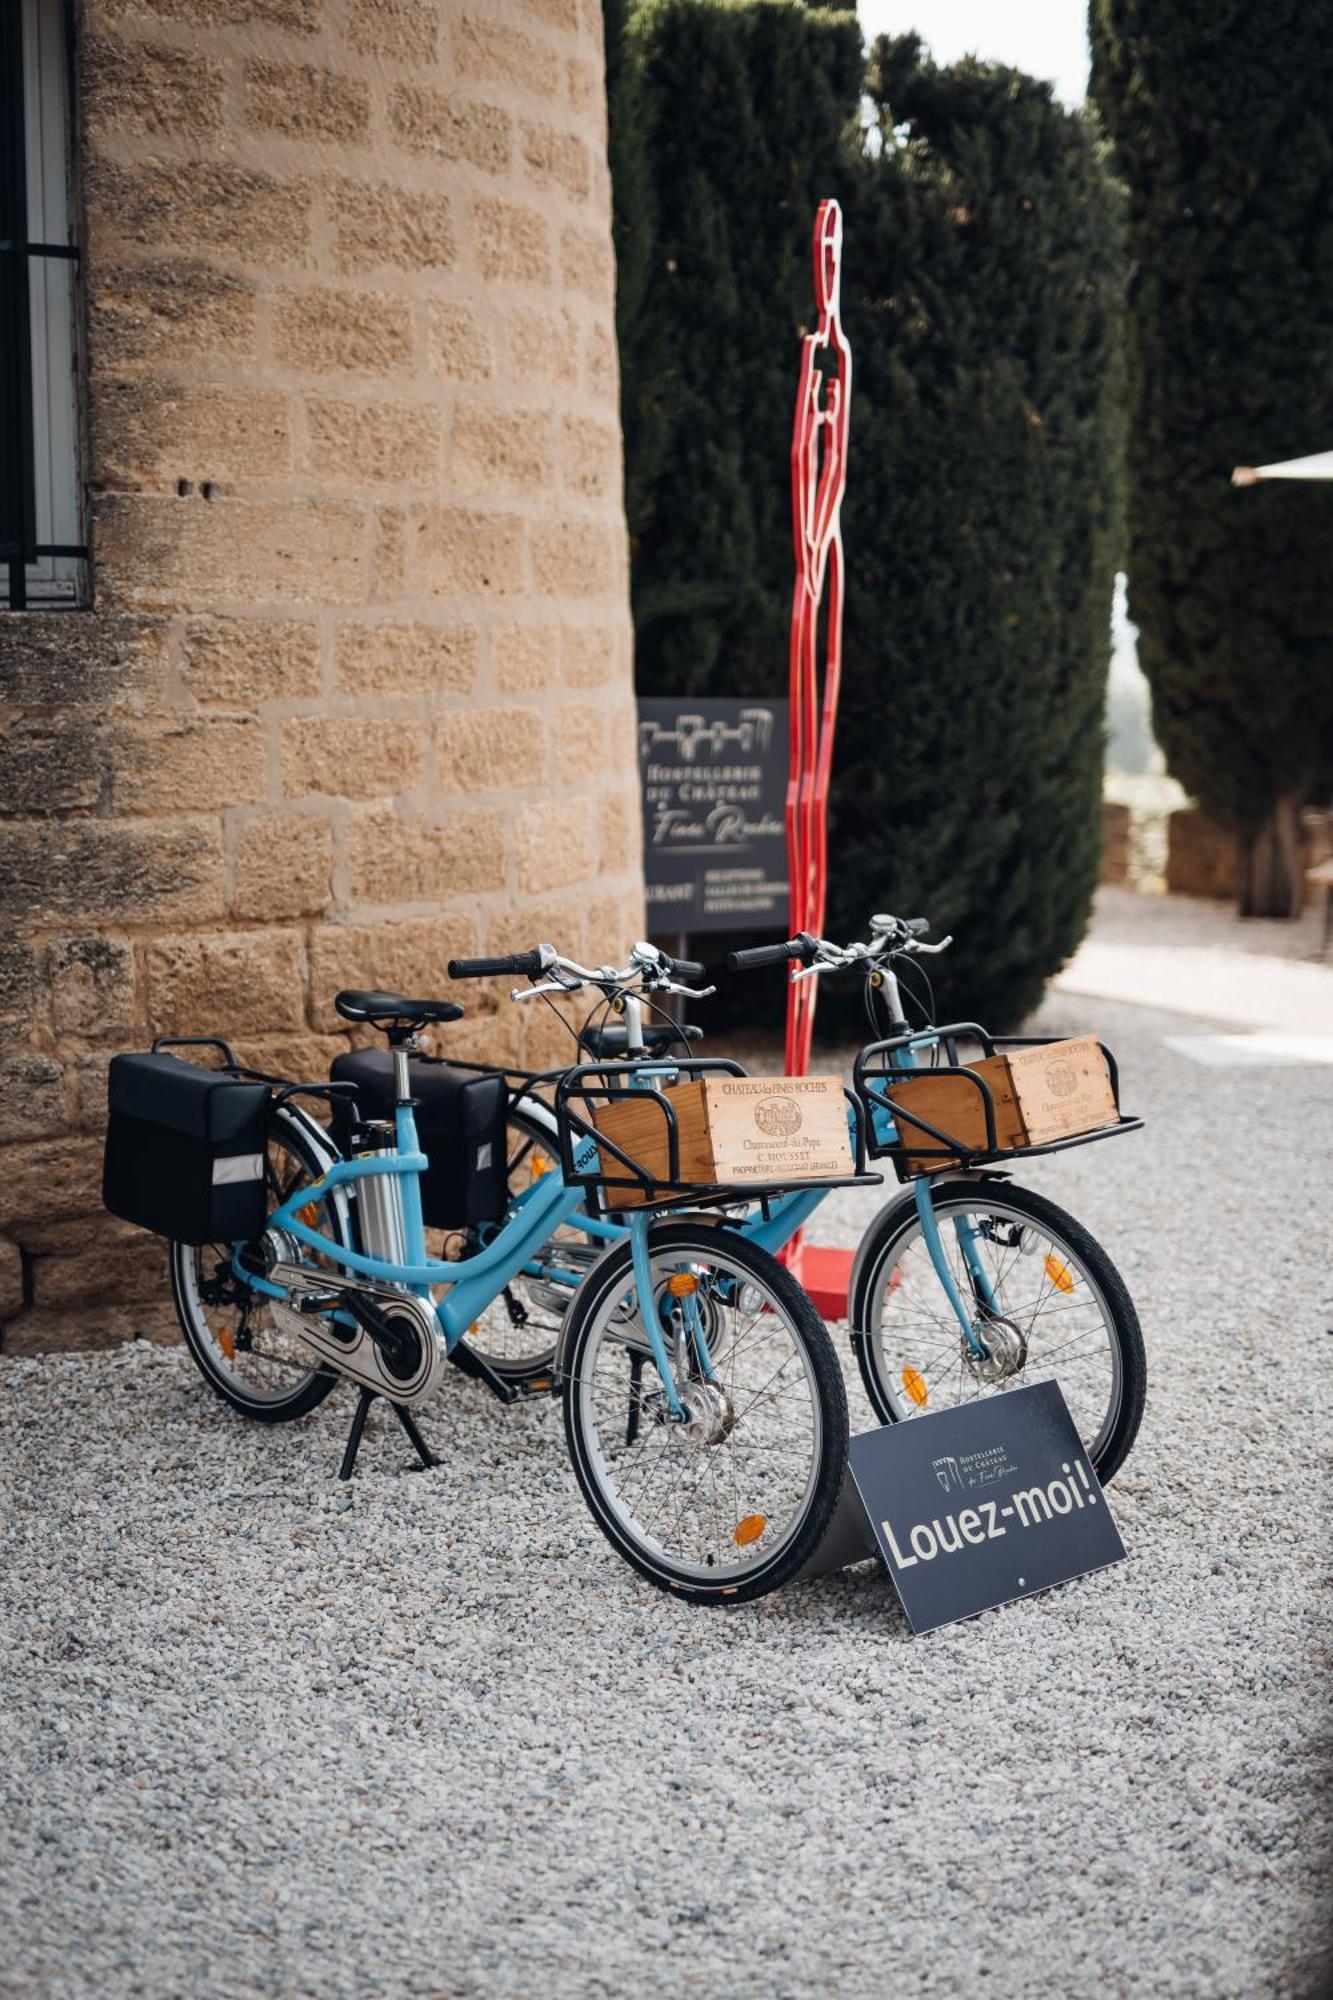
<point>891,937</point>
<point>657,972</point>
<point>755,956</point>
<point>526,964</point>
<point>682,968</point>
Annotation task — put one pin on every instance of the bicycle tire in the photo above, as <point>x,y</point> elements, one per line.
<point>201,1338</point>
<point>882,1249</point>
<point>536,1363</point>
<point>680,1241</point>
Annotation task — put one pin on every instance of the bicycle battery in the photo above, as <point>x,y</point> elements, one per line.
<point>185,1149</point>
<point>460,1119</point>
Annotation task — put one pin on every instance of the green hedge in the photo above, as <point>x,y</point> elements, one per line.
<point>982,301</point>
<point>1222,130</point>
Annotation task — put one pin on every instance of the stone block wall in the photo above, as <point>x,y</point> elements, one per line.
<point>1203,859</point>
<point>1117,842</point>
<point>354,693</point>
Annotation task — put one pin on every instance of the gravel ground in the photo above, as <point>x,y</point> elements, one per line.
<point>426,1736</point>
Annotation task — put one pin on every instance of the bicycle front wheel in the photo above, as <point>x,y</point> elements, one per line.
<point>1047,1301</point>
<point>732,1502</point>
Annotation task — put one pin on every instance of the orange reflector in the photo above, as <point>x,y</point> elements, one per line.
<point>226,1343</point>
<point>309,1215</point>
<point>539,1165</point>
<point>682,1284</point>
<point>1060,1274</point>
<point>915,1386</point>
<point>749,1530</point>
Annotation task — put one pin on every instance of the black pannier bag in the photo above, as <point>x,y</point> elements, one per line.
<point>461,1125</point>
<point>185,1149</point>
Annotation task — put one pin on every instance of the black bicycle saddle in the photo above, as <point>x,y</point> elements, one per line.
<point>391,1010</point>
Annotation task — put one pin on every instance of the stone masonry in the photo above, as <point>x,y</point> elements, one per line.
<point>354,693</point>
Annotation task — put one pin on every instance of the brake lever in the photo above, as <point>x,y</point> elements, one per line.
<point>549,986</point>
<point>686,992</point>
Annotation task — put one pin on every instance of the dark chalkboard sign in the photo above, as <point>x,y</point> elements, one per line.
<point>714,779</point>
<point>978,1505</point>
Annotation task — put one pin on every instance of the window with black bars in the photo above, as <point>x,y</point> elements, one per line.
<point>43,556</point>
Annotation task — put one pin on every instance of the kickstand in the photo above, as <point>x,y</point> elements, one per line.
<point>354,1436</point>
<point>409,1424</point>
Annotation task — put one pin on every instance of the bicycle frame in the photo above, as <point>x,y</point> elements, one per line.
<point>474,1282</point>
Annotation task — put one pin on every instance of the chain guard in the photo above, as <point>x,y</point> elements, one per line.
<point>412,1378</point>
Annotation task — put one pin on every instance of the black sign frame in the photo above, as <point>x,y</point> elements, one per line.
<point>983,1504</point>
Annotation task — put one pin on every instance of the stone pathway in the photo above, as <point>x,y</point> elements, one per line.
<point>1186,956</point>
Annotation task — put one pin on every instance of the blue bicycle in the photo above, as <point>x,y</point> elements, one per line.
<point>704,1406</point>
<point>965,1286</point>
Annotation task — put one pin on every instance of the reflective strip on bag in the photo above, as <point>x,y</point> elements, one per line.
<point>240,1167</point>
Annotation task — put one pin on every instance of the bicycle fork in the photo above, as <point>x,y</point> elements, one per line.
<point>688,1301</point>
<point>966,1231</point>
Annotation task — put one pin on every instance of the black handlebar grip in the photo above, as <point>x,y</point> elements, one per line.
<point>765,954</point>
<point>524,963</point>
<point>684,968</point>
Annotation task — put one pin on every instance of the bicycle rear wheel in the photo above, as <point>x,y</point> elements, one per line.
<point>731,1503</point>
<point>253,1363</point>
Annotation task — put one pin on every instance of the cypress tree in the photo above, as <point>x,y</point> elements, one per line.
<point>1219,113</point>
<point>981,294</point>
<point>983,300</point>
<point>739,112</point>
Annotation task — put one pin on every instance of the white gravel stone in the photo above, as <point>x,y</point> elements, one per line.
<point>426,1735</point>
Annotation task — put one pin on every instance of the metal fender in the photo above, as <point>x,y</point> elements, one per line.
<point>540,1112</point>
<point>326,1153</point>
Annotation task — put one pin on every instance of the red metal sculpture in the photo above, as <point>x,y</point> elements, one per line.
<point>818,481</point>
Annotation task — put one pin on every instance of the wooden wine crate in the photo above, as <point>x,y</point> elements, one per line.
<point>1054,1091</point>
<point>735,1131</point>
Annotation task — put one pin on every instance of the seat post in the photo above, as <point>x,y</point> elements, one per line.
<point>402,1076</point>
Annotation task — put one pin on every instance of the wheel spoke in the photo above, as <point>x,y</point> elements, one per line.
<point>1061,1329</point>
<point>749,1450</point>
<point>231,1328</point>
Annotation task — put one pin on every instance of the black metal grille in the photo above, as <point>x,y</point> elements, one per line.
<point>18,487</point>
